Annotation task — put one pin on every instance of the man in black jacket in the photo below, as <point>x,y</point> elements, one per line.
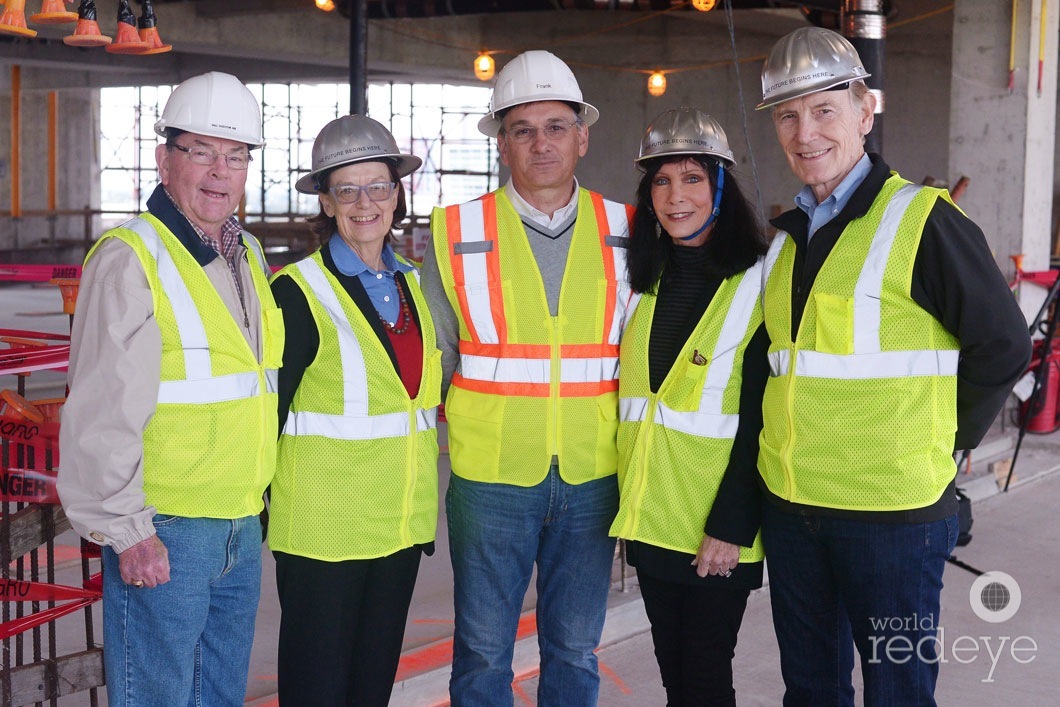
<point>893,341</point>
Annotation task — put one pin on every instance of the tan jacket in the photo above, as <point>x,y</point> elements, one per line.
<point>115,360</point>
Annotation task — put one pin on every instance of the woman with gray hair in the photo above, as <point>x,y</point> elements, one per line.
<point>355,497</point>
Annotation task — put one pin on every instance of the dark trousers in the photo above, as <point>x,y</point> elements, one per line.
<point>341,628</point>
<point>694,630</point>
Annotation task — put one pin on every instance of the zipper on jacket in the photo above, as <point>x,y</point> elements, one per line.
<point>555,381</point>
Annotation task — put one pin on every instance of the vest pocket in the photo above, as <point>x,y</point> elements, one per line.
<point>274,332</point>
<point>835,323</point>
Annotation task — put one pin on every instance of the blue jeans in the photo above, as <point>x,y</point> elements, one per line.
<point>835,584</point>
<point>186,642</point>
<point>496,534</point>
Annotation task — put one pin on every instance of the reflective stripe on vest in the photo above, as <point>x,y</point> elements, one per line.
<point>488,363</point>
<point>709,420</point>
<point>199,386</point>
<point>867,359</point>
<point>354,423</point>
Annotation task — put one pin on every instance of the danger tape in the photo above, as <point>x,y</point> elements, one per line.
<point>38,273</point>
<point>28,486</point>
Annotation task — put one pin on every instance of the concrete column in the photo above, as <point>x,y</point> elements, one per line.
<point>1005,140</point>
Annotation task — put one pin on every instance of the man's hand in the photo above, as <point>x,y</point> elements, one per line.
<point>145,564</point>
<point>716,557</point>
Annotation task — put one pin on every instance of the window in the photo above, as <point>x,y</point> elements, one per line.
<point>435,122</point>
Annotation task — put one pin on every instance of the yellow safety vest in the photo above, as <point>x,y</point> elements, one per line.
<point>861,408</point>
<point>674,445</point>
<point>531,385</point>
<point>357,476</point>
<point>210,448</point>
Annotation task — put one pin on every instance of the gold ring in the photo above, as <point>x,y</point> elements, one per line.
<point>138,583</point>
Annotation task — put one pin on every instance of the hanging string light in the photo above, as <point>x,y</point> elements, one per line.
<point>704,5</point>
<point>484,66</point>
<point>657,83</point>
<point>325,5</point>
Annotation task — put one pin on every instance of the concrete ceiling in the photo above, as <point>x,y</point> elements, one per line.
<point>290,40</point>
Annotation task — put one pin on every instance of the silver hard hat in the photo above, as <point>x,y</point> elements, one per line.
<point>350,139</point>
<point>808,60</point>
<point>685,131</point>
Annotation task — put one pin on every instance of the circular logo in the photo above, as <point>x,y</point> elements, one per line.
<point>995,597</point>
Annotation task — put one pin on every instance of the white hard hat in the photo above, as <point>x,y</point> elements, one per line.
<point>685,131</point>
<point>350,139</point>
<point>216,105</point>
<point>806,61</point>
<point>534,76</point>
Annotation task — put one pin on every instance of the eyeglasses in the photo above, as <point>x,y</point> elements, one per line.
<point>207,156</point>
<point>554,132</point>
<point>351,193</point>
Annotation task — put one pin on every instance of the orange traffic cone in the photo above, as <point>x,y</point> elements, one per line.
<point>54,12</point>
<point>127,41</point>
<point>13,21</point>
<point>149,30</point>
<point>87,33</point>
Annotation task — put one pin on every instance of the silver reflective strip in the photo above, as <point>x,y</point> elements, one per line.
<point>618,227</point>
<point>237,386</point>
<point>189,324</point>
<point>697,424</point>
<point>885,364</point>
<point>537,370</point>
<point>771,258</point>
<point>358,427</point>
<point>476,272</point>
<point>354,373</point>
<point>632,409</point>
<point>869,287</point>
<point>272,380</point>
<point>252,245</point>
<point>733,330</point>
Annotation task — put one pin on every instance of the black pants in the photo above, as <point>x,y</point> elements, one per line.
<point>694,630</point>
<point>341,628</point>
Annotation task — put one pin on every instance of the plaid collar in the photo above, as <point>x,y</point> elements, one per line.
<point>231,232</point>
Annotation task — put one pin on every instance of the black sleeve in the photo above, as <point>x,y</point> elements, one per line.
<point>737,510</point>
<point>956,279</point>
<point>300,343</point>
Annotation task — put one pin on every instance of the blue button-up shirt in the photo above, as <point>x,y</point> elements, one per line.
<point>822,213</point>
<point>379,284</point>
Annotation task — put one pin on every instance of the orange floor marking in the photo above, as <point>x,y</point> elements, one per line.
<point>606,670</point>
<point>439,654</point>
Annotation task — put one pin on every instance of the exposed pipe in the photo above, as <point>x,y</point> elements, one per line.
<point>865,25</point>
<point>359,57</point>
<point>53,148</point>
<point>16,147</point>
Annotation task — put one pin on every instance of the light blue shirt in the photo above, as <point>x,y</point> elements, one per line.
<point>379,284</point>
<point>822,213</point>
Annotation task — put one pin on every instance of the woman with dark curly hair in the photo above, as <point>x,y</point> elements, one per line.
<point>693,368</point>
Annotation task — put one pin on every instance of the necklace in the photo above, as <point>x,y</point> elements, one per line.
<point>404,313</point>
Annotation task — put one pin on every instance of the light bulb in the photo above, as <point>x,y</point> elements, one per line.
<point>484,67</point>
<point>657,83</point>
<point>325,5</point>
<point>704,5</point>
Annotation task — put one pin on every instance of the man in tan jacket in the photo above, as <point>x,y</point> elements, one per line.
<point>168,436</point>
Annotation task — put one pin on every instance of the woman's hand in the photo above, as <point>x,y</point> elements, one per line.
<point>716,557</point>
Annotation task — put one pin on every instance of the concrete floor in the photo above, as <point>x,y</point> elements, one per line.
<point>1012,534</point>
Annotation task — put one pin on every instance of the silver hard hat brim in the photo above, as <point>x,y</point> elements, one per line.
<point>727,161</point>
<point>800,92</point>
<point>404,165</point>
